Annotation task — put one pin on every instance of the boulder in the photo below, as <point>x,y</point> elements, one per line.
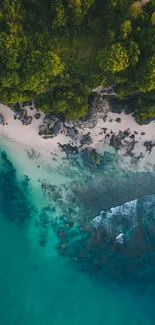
<point>27,120</point>
<point>49,118</point>
<point>47,137</point>
<point>1,119</point>
<point>118,120</point>
<point>86,139</point>
<point>49,131</point>
<point>37,116</point>
<point>42,129</point>
<point>23,113</point>
<point>57,128</point>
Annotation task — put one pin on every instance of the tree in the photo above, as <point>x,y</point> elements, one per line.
<point>146,75</point>
<point>153,18</point>
<point>126,29</point>
<point>113,58</point>
<point>134,53</point>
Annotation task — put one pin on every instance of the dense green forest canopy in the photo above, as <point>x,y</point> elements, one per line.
<point>57,51</point>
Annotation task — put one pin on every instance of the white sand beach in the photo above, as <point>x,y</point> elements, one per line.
<point>14,130</point>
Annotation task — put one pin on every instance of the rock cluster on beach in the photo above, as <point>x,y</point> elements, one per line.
<point>103,125</point>
<point>21,114</point>
<point>50,127</point>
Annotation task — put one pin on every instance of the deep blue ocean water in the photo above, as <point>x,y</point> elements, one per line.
<point>42,282</point>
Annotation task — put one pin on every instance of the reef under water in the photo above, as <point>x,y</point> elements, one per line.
<point>77,243</point>
<point>119,243</point>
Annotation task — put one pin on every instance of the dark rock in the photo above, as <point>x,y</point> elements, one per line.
<point>135,132</point>
<point>130,147</point>
<point>123,105</point>
<point>47,136</point>
<point>84,118</point>
<point>86,139</point>
<point>72,133</point>
<point>1,119</point>
<point>49,131</point>
<point>16,107</point>
<point>92,158</point>
<point>49,118</point>
<point>146,121</point>
<point>132,136</point>
<point>126,133</point>
<point>68,149</point>
<point>116,142</point>
<point>23,113</point>
<point>149,120</point>
<point>116,139</point>
<point>27,120</point>
<point>118,120</point>
<point>57,128</point>
<point>42,129</point>
<point>104,130</point>
<point>37,116</point>
<point>142,133</point>
<point>26,104</point>
<point>31,108</point>
<point>105,118</point>
<point>149,145</point>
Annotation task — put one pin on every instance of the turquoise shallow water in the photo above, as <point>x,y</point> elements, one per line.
<point>38,285</point>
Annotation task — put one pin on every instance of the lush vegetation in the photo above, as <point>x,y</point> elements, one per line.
<point>57,51</point>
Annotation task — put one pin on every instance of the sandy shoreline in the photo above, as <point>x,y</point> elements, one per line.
<point>101,135</point>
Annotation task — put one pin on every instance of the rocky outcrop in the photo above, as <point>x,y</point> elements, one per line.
<point>51,126</point>
<point>98,109</point>
<point>57,128</point>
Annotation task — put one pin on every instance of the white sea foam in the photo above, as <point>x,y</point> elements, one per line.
<point>118,219</point>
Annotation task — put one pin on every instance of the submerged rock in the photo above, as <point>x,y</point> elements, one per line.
<point>92,158</point>
<point>119,243</point>
<point>69,149</point>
